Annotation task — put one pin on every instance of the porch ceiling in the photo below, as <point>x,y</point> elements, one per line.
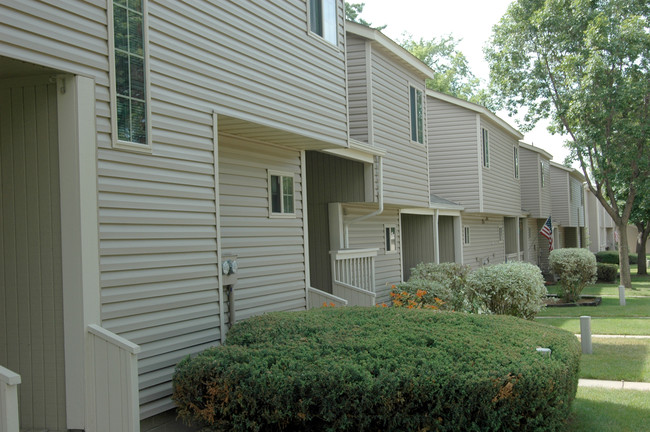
<point>12,68</point>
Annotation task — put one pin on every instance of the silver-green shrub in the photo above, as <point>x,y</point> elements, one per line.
<point>515,288</point>
<point>575,267</point>
<point>445,281</point>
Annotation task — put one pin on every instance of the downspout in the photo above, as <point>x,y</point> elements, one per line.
<point>380,210</point>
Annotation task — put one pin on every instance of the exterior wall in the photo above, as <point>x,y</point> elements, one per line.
<point>370,234</point>
<point>358,52</point>
<point>484,247</point>
<point>501,190</point>
<point>560,193</point>
<point>31,309</point>
<point>406,181</point>
<point>453,157</point>
<point>534,198</point>
<point>417,241</point>
<point>577,203</point>
<point>632,234</point>
<point>329,179</point>
<point>270,250</point>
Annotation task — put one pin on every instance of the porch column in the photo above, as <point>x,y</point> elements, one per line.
<point>436,237</point>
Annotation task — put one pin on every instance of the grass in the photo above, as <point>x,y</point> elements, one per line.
<point>640,287</point>
<point>635,307</point>
<point>617,359</point>
<point>601,410</point>
<point>606,326</point>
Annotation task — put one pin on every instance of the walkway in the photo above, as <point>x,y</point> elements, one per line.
<point>625,385</point>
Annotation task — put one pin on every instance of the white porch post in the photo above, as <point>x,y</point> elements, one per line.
<point>436,235</point>
<point>458,239</point>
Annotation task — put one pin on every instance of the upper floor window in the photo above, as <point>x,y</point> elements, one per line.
<point>129,90</point>
<point>322,19</point>
<point>542,177</point>
<point>281,194</point>
<point>417,114</point>
<point>516,161</point>
<point>485,147</point>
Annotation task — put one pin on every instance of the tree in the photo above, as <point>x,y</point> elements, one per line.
<point>584,64</point>
<point>352,12</point>
<point>453,75</point>
<point>640,217</point>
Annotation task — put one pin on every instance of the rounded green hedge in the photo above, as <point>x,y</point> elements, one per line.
<point>389,369</point>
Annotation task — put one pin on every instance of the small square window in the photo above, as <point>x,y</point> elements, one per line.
<point>466,235</point>
<point>391,238</point>
<point>486,147</point>
<point>417,114</point>
<point>322,19</point>
<point>501,234</point>
<point>516,161</point>
<point>281,194</point>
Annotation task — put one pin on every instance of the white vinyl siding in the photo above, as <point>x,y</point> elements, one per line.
<point>358,53</point>
<point>559,186</point>
<point>453,156</point>
<point>534,198</point>
<point>485,247</point>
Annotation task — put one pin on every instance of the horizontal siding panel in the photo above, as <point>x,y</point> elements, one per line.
<point>134,277</point>
<point>132,232</point>
<point>162,289</point>
<point>484,240</point>
<point>155,319</point>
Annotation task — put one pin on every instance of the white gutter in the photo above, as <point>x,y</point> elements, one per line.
<point>380,210</point>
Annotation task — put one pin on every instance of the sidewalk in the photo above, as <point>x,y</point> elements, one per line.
<point>624,385</point>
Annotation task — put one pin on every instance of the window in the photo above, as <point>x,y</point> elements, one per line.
<point>322,19</point>
<point>501,234</point>
<point>417,115</point>
<point>129,87</point>
<point>486,147</point>
<point>466,236</point>
<point>541,173</point>
<point>281,195</point>
<point>516,161</point>
<point>391,238</point>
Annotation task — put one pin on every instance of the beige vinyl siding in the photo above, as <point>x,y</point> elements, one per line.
<point>370,234</point>
<point>531,191</point>
<point>270,251</point>
<point>577,211</point>
<point>358,53</point>
<point>417,241</point>
<point>501,190</point>
<point>560,193</point>
<point>405,166</point>
<point>484,247</point>
<point>31,292</point>
<point>453,157</point>
<point>329,179</point>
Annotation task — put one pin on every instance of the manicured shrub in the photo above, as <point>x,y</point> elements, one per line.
<point>388,369</point>
<point>515,288</point>
<point>576,267</point>
<point>440,285</point>
<point>611,257</point>
<point>606,272</point>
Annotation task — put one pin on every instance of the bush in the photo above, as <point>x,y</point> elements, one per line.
<point>388,369</point>
<point>440,285</point>
<point>606,272</point>
<point>515,288</point>
<point>611,257</point>
<point>576,267</point>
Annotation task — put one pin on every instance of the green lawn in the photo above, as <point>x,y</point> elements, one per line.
<point>604,410</point>
<point>635,307</point>
<point>617,359</point>
<point>640,287</point>
<point>606,326</point>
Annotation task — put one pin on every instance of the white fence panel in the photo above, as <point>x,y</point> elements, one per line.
<point>9,400</point>
<point>318,298</point>
<point>355,296</point>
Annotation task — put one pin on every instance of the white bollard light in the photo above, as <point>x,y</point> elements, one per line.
<point>546,352</point>
<point>585,334</point>
<point>621,295</point>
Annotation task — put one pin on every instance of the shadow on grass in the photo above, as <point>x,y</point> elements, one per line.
<point>596,410</point>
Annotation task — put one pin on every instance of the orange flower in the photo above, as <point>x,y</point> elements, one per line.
<point>332,305</point>
<point>410,306</point>
<point>393,287</point>
<point>397,303</point>
<point>384,305</point>
<point>420,293</point>
<point>324,304</point>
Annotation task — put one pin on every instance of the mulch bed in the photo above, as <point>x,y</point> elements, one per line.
<point>553,300</point>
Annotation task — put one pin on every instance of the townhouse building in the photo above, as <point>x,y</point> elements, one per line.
<point>568,203</point>
<point>474,161</point>
<point>147,148</point>
<point>600,225</point>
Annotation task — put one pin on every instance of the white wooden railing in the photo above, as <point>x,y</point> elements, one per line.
<point>354,267</point>
<point>113,391</point>
<point>318,298</point>
<point>355,296</point>
<point>9,400</point>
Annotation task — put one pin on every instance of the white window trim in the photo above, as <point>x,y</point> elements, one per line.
<point>424,116</point>
<point>386,251</point>
<point>281,174</point>
<point>467,236</point>
<point>485,147</point>
<point>501,233</point>
<point>119,144</point>
<point>320,38</point>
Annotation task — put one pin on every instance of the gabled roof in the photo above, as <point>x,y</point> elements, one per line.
<point>480,109</point>
<point>390,45</point>
<point>440,203</point>
<point>531,147</point>
<point>572,171</point>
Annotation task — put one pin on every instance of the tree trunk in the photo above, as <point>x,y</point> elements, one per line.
<point>624,256</point>
<point>641,240</point>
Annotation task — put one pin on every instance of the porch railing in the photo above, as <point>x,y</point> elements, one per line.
<point>318,298</point>
<point>9,421</point>
<point>353,275</point>
<point>113,395</point>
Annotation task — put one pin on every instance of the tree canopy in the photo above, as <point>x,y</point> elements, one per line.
<point>585,65</point>
<point>353,12</point>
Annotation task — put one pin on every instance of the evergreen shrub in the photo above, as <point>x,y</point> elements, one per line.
<point>515,288</point>
<point>611,257</point>
<point>606,272</point>
<point>388,369</point>
<point>576,267</point>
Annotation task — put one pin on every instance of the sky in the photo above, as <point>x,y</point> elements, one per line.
<point>469,20</point>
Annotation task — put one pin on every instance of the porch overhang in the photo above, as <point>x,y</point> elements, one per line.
<point>357,151</point>
<point>284,135</point>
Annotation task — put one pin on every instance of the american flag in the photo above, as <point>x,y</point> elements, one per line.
<point>547,231</point>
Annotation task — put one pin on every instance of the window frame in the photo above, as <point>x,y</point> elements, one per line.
<point>324,37</point>
<point>501,234</point>
<point>541,174</point>
<point>466,235</point>
<point>387,240</point>
<point>485,147</point>
<point>282,175</point>
<point>516,161</point>
<point>416,114</point>
<point>115,141</point>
